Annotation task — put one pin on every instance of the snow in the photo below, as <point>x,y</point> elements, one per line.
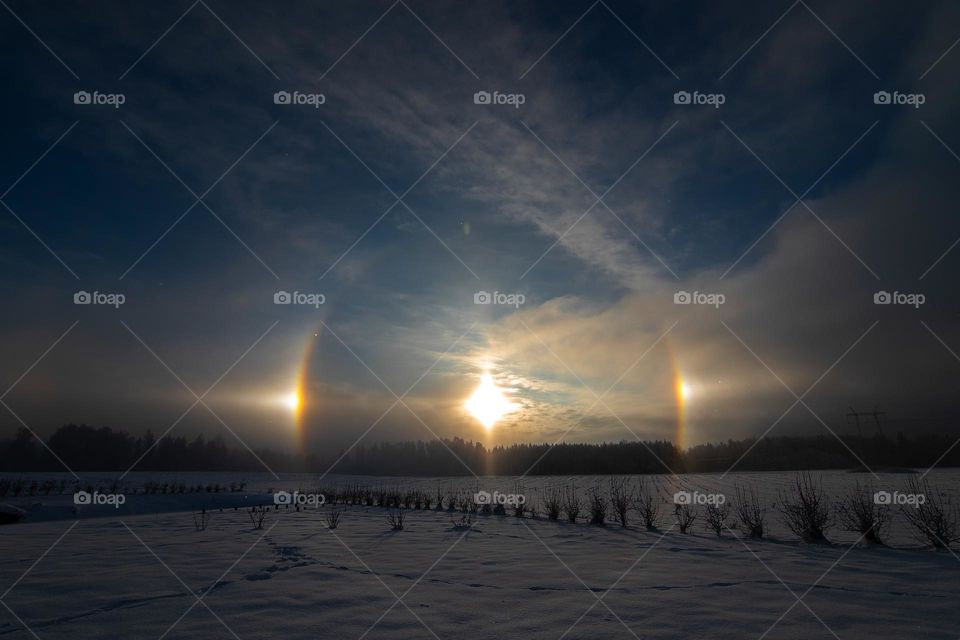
<point>136,576</point>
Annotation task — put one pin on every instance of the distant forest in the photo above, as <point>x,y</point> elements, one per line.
<point>85,448</point>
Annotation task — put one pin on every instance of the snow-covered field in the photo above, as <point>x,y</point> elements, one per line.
<point>151,574</point>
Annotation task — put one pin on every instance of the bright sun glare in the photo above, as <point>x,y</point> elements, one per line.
<point>488,404</point>
<point>292,401</point>
<point>684,390</point>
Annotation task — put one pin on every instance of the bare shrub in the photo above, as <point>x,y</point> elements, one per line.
<point>621,497</point>
<point>751,514</point>
<point>552,503</point>
<point>465,522</point>
<point>396,518</point>
<point>860,513</point>
<point>935,520</point>
<point>200,520</point>
<point>685,515</point>
<point>257,516</point>
<point>333,516</point>
<point>716,517</point>
<point>598,506</point>
<point>806,509</point>
<point>518,501</point>
<point>572,503</point>
<point>647,501</point>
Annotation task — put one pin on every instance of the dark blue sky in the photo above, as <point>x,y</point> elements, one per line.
<point>297,198</point>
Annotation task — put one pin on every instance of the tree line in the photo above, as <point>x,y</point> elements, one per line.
<point>86,448</point>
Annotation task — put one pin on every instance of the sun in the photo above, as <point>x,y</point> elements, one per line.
<point>684,390</point>
<point>488,404</point>
<point>292,401</point>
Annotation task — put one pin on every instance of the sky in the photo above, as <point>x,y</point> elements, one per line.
<point>630,157</point>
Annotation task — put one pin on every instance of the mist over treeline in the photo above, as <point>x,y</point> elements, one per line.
<point>86,448</point>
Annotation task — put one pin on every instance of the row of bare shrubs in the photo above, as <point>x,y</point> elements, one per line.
<point>804,507</point>
<point>808,512</point>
